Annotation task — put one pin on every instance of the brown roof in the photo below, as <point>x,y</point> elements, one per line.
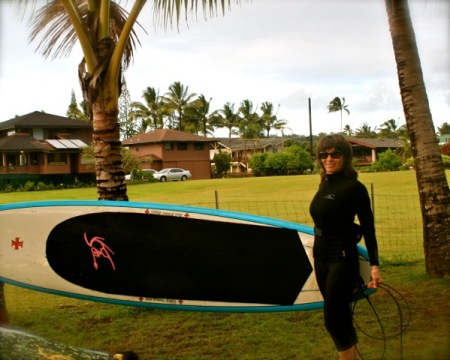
<point>375,143</point>
<point>42,120</point>
<point>22,141</point>
<point>239,143</point>
<point>165,135</point>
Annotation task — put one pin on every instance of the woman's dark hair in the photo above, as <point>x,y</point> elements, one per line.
<point>338,143</point>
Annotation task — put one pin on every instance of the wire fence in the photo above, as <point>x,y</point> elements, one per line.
<point>398,220</point>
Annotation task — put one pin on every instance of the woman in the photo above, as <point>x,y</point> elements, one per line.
<point>340,197</point>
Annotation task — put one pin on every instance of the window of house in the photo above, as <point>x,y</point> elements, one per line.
<point>199,146</point>
<point>182,146</point>
<point>57,159</point>
<point>168,146</point>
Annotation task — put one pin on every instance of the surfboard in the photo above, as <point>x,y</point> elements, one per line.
<point>161,256</point>
<point>16,344</point>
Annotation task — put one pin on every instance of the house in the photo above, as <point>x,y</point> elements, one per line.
<point>167,148</point>
<point>43,147</point>
<point>366,151</point>
<point>241,150</point>
<point>443,139</point>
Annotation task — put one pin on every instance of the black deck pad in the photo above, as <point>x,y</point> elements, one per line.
<point>155,256</point>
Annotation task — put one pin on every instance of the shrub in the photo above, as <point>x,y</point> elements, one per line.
<point>388,161</point>
<point>222,161</point>
<point>299,160</point>
<point>258,164</point>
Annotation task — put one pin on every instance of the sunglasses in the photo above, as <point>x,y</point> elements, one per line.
<point>334,155</point>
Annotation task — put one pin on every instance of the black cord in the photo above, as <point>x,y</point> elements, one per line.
<point>397,298</point>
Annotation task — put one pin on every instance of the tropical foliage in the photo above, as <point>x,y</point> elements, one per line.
<point>294,160</point>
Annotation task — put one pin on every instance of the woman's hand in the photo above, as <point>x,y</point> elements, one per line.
<point>376,277</point>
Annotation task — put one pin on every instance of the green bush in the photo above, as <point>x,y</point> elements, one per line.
<point>387,161</point>
<point>222,161</point>
<point>257,163</point>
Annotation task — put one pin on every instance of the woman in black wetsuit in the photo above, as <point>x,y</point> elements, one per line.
<point>339,199</point>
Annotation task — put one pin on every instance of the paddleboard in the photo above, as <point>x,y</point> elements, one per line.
<point>161,256</point>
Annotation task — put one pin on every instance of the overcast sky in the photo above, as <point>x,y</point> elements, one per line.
<point>283,52</point>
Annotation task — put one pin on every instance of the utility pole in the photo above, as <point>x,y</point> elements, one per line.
<point>310,129</point>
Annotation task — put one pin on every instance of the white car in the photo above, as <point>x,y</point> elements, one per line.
<point>172,174</point>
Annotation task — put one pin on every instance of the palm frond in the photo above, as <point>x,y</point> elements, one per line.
<point>58,36</point>
<point>168,12</point>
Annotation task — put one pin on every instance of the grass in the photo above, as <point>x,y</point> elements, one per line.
<point>157,334</point>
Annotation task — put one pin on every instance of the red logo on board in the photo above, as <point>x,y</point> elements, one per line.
<point>17,243</point>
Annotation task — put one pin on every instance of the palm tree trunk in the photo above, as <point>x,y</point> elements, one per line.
<point>107,151</point>
<point>432,183</point>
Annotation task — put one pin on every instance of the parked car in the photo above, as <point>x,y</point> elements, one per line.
<point>130,176</point>
<point>172,174</point>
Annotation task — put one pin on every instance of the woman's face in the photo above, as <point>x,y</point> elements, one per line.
<point>332,161</point>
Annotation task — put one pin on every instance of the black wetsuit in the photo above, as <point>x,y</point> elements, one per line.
<point>333,209</point>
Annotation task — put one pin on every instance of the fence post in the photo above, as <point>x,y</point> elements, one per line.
<point>372,199</point>
<point>217,199</point>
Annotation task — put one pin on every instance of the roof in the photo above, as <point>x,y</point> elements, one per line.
<point>239,143</point>
<point>22,141</point>
<point>375,143</point>
<point>39,119</point>
<point>25,142</point>
<point>164,135</point>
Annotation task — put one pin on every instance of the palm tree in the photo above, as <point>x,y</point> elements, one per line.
<point>430,173</point>
<point>202,120</point>
<point>365,131</point>
<point>152,112</point>
<point>177,100</point>
<point>389,129</point>
<point>348,130</point>
<point>338,105</point>
<point>270,120</point>
<point>250,123</point>
<point>227,117</point>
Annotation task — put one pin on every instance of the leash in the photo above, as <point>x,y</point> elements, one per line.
<point>404,319</point>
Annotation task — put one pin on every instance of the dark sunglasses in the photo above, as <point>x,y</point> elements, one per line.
<point>334,155</point>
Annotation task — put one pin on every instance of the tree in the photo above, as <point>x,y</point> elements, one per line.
<point>227,117</point>
<point>152,112</point>
<point>365,131</point>
<point>444,129</point>
<point>176,101</point>
<point>338,105</point>
<point>434,192</point>
<point>74,112</point>
<point>250,123</point>
<point>202,120</point>
<point>270,120</point>
<point>222,160</point>
<point>347,130</point>
<point>389,129</point>
<point>126,124</point>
